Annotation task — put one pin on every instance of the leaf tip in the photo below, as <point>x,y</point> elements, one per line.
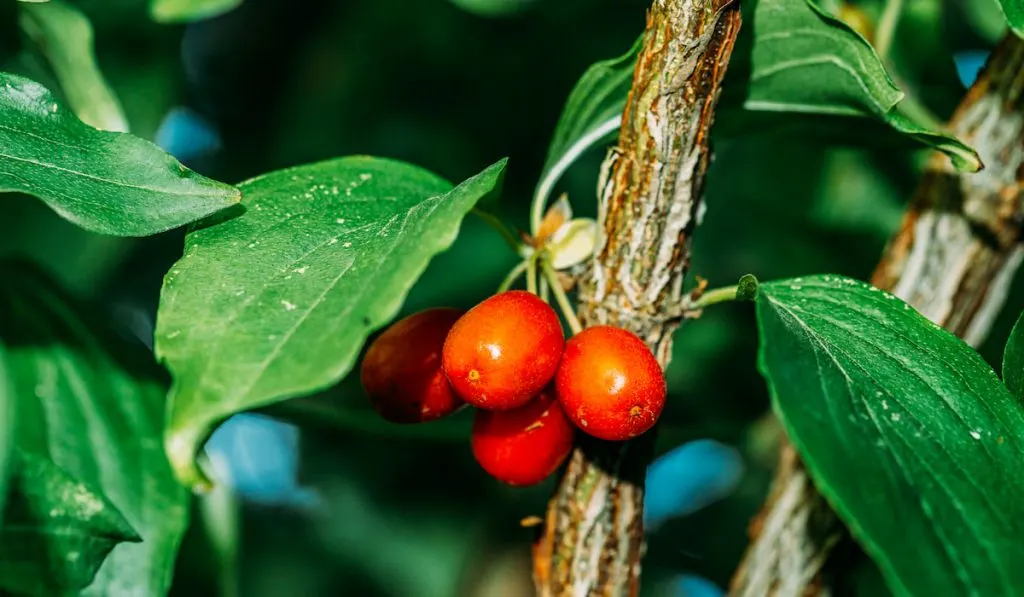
<point>968,161</point>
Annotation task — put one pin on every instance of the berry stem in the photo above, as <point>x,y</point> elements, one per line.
<point>494,222</point>
<point>531,274</point>
<point>560,297</point>
<point>513,275</point>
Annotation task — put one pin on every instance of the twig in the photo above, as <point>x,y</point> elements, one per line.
<point>650,191</point>
<point>953,258</point>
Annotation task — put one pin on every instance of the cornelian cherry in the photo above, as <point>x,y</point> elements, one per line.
<point>609,383</point>
<point>504,351</point>
<point>401,371</point>
<point>524,445</point>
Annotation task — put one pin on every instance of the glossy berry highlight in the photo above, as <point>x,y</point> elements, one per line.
<point>522,446</point>
<point>609,383</point>
<point>504,351</point>
<point>401,371</point>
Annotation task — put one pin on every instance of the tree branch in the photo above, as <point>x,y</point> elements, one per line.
<point>952,259</point>
<point>650,193</point>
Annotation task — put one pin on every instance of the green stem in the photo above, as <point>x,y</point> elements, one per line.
<point>531,274</point>
<point>494,222</point>
<point>713,297</point>
<point>220,513</point>
<point>561,298</point>
<point>886,32</point>
<point>512,276</point>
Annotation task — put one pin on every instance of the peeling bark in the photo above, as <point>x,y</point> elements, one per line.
<point>650,192</point>
<point>952,259</point>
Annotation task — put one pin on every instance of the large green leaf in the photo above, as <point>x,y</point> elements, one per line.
<point>905,430</point>
<point>277,302</point>
<point>180,11</point>
<point>56,531</point>
<point>64,35</point>
<point>94,405</point>
<point>794,60</point>
<point>1013,360</point>
<point>591,114</point>
<point>111,183</point>
<point>1014,12</point>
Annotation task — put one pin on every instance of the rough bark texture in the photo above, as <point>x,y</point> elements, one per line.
<point>952,259</point>
<point>650,192</point>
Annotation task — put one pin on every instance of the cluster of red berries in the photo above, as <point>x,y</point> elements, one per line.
<point>508,357</point>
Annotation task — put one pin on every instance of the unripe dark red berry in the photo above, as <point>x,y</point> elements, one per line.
<point>609,383</point>
<point>504,351</point>
<point>524,445</point>
<point>402,373</point>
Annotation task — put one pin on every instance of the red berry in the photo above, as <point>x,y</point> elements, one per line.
<point>524,445</point>
<point>609,383</point>
<point>401,371</point>
<point>504,351</point>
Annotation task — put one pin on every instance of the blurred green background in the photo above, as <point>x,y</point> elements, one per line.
<point>453,86</point>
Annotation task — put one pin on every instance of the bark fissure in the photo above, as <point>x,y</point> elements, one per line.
<point>952,259</point>
<point>649,192</point>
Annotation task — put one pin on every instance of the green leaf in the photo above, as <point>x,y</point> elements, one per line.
<point>94,404</point>
<point>112,183</point>
<point>905,430</point>
<point>591,114</point>
<point>1013,10</point>
<point>183,11</point>
<point>56,531</point>
<point>277,302</point>
<point>1013,360</point>
<point>803,61</point>
<point>64,35</point>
